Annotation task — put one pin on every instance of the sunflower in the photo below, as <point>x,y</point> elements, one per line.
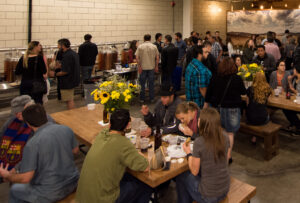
<point>127,98</point>
<point>115,95</point>
<point>247,74</point>
<point>96,97</point>
<point>104,96</point>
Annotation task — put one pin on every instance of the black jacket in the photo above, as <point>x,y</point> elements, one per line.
<point>164,117</point>
<point>87,52</point>
<point>268,62</point>
<point>211,64</point>
<point>169,58</point>
<point>296,59</point>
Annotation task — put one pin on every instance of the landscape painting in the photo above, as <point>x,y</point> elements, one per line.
<point>242,24</point>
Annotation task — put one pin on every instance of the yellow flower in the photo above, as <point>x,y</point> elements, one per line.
<point>131,85</point>
<point>135,86</point>
<point>115,95</point>
<point>253,65</point>
<point>126,92</point>
<point>127,98</point>
<point>247,74</point>
<point>96,97</point>
<point>104,96</point>
<point>239,73</point>
<point>112,109</point>
<point>121,84</point>
<point>93,92</point>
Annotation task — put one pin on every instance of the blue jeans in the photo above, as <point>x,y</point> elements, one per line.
<point>24,193</point>
<point>86,72</point>
<point>230,119</point>
<point>134,191</point>
<point>147,75</point>
<point>187,186</point>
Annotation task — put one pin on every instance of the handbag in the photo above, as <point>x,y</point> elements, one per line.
<point>227,86</point>
<point>39,86</point>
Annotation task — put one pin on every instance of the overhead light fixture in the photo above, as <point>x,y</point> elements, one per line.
<point>271,7</point>
<point>285,5</point>
<point>299,6</point>
<point>261,7</point>
<point>214,9</point>
<point>252,5</point>
<point>243,8</point>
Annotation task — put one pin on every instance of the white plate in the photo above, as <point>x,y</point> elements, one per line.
<point>176,151</point>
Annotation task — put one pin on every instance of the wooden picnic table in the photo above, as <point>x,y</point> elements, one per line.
<point>279,102</point>
<point>85,125</point>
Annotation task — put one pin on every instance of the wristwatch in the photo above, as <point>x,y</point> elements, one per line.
<point>188,155</point>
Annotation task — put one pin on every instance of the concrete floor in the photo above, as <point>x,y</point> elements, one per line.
<point>277,180</point>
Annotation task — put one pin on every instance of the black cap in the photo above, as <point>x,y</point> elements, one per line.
<point>166,90</point>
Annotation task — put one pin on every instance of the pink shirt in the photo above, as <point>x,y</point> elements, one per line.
<point>273,49</point>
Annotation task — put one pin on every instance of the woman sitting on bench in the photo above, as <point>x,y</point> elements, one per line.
<point>257,98</point>
<point>211,181</point>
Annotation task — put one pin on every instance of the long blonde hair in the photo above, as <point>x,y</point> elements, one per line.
<point>210,129</point>
<point>29,51</point>
<point>261,88</point>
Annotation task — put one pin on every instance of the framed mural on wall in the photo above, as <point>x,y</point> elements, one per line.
<point>241,25</point>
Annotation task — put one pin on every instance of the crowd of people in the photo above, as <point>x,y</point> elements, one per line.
<point>37,155</point>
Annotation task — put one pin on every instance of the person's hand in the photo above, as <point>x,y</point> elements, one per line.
<point>146,133</point>
<point>58,65</point>
<point>13,171</point>
<point>140,70</point>
<point>145,110</point>
<point>4,173</point>
<point>186,131</point>
<point>186,148</point>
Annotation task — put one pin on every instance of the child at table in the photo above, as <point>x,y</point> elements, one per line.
<point>257,98</point>
<point>210,182</point>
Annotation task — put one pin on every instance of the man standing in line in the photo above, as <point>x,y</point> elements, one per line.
<point>216,50</point>
<point>87,52</point>
<point>69,74</point>
<point>197,77</point>
<point>147,57</point>
<point>168,60</point>
<point>181,45</point>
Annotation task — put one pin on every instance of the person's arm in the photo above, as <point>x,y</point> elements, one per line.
<point>203,91</point>
<point>42,64</point>
<point>132,159</point>
<point>193,162</point>
<point>65,67</point>
<point>157,62</point>
<point>46,63</point>
<point>290,83</point>
<point>19,67</point>
<point>220,53</point>
<point>12,177</point>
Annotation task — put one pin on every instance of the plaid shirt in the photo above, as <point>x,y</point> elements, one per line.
<point>196,76</point>
<point>215,49</point>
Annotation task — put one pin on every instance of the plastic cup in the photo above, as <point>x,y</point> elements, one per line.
<point>144,142</point>
<point>91,107</point>
<point>277,92</point>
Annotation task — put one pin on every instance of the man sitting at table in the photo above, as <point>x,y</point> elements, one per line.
<point>103,178</point>
<point>164,112</point>
<point>47,170</point>
<point>292,116</point>
<point>15,133</point>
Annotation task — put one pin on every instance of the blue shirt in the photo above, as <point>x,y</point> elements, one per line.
<point>196,76</point>
<point>181,45</point>
<point>49,154</point>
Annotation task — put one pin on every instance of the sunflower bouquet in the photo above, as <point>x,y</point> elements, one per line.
<point>248,71</point>
<point>115,93</point>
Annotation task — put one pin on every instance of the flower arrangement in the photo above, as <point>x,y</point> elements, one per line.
<point>248,71</point>
<point>115,93</point>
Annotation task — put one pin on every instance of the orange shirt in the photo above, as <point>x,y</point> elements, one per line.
<point>279,78</point>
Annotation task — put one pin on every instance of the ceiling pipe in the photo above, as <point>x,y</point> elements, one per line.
<point>29,20</point>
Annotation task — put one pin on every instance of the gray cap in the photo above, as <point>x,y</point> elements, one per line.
<point>18,103</point>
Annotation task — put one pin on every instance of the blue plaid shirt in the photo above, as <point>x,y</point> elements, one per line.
<point>196,76</point>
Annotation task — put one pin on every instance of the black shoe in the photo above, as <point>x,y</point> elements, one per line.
<point>230,161</point>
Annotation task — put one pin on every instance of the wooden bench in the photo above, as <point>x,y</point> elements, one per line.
<point>270,134</point>
<point>239,192</point>
<point>69,199</point>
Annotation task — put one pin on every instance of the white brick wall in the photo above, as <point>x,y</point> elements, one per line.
<point>106,20</point>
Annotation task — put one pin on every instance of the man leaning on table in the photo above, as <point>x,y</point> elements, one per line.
<point>47,172</point>
<point>103,177</point>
